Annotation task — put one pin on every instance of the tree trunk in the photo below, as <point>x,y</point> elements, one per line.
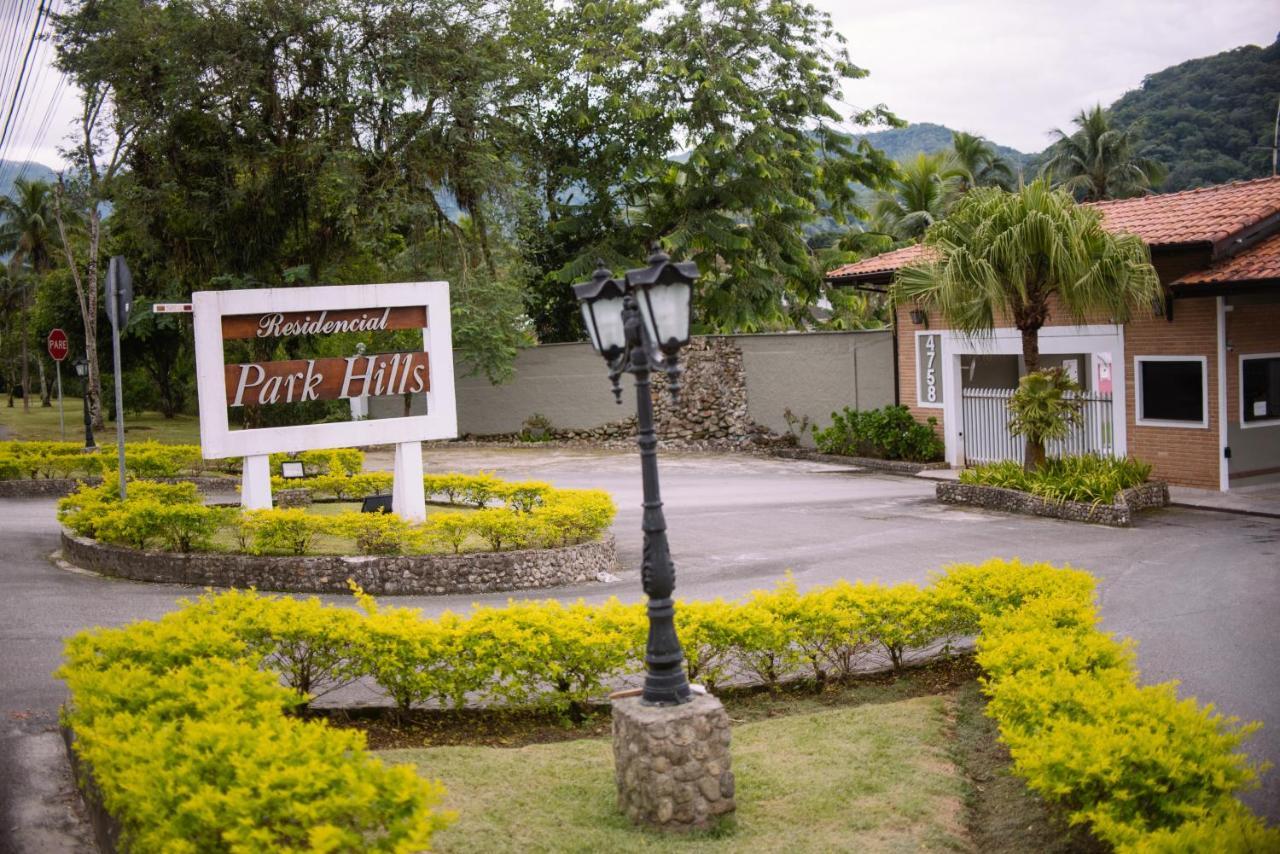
<point>1033,450</point>
<point>26,359</point>
<point>46,394</point>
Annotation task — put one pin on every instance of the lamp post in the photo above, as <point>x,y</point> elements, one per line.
<point>82,371</point>
<point>639,325</point>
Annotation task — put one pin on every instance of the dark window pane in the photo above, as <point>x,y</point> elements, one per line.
<point>1172,391</point>
<point>1261,389</point>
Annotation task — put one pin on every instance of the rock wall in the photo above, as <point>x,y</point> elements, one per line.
<point>470,572</point>
<point>1119,514</point>
<point>711,407</point>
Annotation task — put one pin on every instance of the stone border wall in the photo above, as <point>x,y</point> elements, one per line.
<point>1119,514</point>
<point>434,574</point>
<point>56,487</point>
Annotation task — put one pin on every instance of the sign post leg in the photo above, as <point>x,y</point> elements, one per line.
<point>62,424</point>
<point>255,483</point>
<point>408,500</point>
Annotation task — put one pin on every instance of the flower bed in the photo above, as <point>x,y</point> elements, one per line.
<point>168,714</point>
<point>537,537</point>
<point>1087,488</point>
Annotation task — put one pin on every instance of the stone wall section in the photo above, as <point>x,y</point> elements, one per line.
<point>672,763</point>
<point>1119,514</point>
<point>434,574</point>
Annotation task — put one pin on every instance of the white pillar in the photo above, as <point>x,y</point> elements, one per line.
<point>255,483</point>
<point>408,500</point>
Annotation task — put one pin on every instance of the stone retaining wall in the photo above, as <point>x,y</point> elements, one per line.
<point>1119,514</point>
<point>435,574</point>
<point>56,487</point>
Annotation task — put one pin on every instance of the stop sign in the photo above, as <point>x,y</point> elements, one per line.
<point>58,348</point>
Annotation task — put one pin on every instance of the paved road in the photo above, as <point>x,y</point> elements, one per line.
<point>1200,591</point>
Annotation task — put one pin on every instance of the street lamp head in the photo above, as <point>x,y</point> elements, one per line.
<point>602,301</point>
<point>664,294</point>
<point>82,367</point>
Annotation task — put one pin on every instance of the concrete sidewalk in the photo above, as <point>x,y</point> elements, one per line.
<point>1260,500</point>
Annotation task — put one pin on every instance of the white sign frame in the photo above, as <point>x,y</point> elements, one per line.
<point>218,441</point>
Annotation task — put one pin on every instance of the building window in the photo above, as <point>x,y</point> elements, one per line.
<point>1260,390</point>
<point>1171,391</point>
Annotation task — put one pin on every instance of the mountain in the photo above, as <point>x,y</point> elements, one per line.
<point>905,143</point>
<point>11,169</point>
<point>1208,120</point>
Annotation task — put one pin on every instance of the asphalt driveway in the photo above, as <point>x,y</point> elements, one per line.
<point>1199,591</point>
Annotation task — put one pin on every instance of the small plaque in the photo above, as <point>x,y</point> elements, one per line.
<point>376,504</point>
<point>291,469</point>
<point>1259,409</point>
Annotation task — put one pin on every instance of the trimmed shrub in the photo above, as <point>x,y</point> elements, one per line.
<point>449,529</point>
<point>889,433</point>
<point>498,526</point>
<point>378,533</point>
<point>291,530</point>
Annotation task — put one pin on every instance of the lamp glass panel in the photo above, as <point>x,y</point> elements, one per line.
<point>665,309</point>
<point>590,324</point>
<point>610,333</point>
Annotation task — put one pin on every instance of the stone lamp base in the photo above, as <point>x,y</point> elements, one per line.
<point>672,762</point>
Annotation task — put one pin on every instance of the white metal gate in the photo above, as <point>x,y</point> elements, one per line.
<point>987,438</point>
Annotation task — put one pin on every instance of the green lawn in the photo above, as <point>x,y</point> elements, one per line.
<point>41,424</point>
<point>873,777</point>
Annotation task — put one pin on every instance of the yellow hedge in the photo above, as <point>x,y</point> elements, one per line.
<point>1147,771</point>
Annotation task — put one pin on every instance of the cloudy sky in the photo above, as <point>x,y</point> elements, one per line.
<point>1008,69</point>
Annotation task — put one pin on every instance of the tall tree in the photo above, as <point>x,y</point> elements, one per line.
<point>707,124</point>
<point>982,164</point>
<point>27,231</point>
<point>1099,161</point>
<point>1009,256</point>
<point>918,196</point>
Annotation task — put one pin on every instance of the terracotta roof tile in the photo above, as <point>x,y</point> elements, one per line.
<point>884,263</point>
<point>1208,214</point>
<point>1260,261</point>
<point>1205,215</point>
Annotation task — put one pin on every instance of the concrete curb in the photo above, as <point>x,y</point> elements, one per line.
<point>890,466</point>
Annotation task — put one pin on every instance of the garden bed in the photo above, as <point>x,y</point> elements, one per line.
<point>1118,514</point>
<point>430,574</point>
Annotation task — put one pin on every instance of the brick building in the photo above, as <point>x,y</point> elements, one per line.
<point>1194,390</point>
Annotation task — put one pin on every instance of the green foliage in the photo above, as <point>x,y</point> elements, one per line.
<point>449,529</point>
<point>202,757</point>
<point>920,194</point>
<point>526,495</point>
<point>68,459</point>
<point>1089,479</point>
<point>1147,771</point>
<point>1045,406</point>
<point>890,433</point>
<point>291,530</point>
<point>1098,161</point>
<point>480,489</point>
<point>498,526</point>
<point>378,533</point>
<point>1208,120</point>
<point>336,461</point>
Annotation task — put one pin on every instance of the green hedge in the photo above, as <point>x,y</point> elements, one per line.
<point>33,460</point>
<point>1145,770</point>
<point>173,517</point>
<point>889,433</point>
<point>1090,479</point>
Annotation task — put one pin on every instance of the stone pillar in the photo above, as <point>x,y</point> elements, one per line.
<point>672,762</point>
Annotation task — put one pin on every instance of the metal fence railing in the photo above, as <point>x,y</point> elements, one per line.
<point>986,428</point>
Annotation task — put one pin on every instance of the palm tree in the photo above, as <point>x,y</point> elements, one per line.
<point>1098,161</point>
<point>982,165</point>
<point>918,196</point>
<point>28,232</point>
<point>1009,254</point>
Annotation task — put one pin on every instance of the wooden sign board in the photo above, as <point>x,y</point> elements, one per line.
<point>300,380</point>
<point>275,313</point>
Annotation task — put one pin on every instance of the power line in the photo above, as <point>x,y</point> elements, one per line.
<point>22,79</point>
